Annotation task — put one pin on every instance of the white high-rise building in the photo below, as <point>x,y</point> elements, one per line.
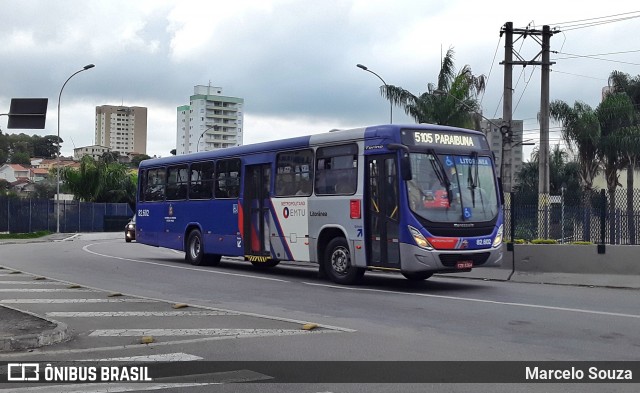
<point>210,121</point>
<point>122,128</point>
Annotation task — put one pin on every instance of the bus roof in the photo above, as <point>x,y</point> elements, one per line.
<point>378,131</point>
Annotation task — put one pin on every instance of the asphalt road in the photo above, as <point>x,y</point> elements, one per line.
<point>387,318</point>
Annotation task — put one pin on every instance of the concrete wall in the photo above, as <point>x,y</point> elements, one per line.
<point>563,258</point>
<point>619,267</point>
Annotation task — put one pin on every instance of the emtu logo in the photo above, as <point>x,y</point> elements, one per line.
<point>285,212</point>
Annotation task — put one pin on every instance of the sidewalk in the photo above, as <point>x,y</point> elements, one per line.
<point>21,330</point>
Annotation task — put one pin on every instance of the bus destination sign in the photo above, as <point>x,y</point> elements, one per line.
<point>442,139</point>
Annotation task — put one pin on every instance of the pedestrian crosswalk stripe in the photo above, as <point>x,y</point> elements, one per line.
<point>44,290</point>
<point>163,357</point>
<point>92,314</point>
<point>196,332</point>
<point>53,301</point>
<point>109,387</point>
<point>32,283</point>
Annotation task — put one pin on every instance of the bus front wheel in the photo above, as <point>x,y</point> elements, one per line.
<point>337,263</point>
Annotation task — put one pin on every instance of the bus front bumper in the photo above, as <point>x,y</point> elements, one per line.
<point>416,259</point>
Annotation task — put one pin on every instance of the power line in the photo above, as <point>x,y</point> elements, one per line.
<point>592,24</point>
<point>574,56</point>
<point>584,76</point>
<point>493,62</point>
<point>600,17</point>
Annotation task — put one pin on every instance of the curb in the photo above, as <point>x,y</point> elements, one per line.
<point>30,341</point>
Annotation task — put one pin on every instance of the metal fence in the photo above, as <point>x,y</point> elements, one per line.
<point>31,215</point>
<point>596,217</point>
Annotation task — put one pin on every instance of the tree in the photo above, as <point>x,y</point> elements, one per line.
<point>581,132</point>
<point>20,158</point>
<point>99,181</point>
<point>615,113</point>
<point>452,101</point>
<point>135,161</point>
<point>623,83</point>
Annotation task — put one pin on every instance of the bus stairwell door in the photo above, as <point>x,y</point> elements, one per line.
<point>256,208</point>
<point>382,204</point>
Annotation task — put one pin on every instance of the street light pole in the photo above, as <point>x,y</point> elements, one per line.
<point>88,66</point>
<point>362,67</point>
<point>215,127</point>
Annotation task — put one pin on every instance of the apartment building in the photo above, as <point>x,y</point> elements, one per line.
<point>210,121</point>
<point>122,128</point>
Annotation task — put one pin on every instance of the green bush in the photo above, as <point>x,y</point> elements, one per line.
<point>32,235</point>
<point>544,241</point>
<point>582,243</point>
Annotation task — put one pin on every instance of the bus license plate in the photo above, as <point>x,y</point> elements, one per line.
<point>464,265</point>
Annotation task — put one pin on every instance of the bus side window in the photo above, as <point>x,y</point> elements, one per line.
<point>336,170</point>
<point>201,180</point>
<point>177,182</point>
<point>156,184</point>
<point>294,173</point>
<point>228,178</point>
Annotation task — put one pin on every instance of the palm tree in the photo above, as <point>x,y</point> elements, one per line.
<point>621,82</point>
<point>615,113</point>
<point>581,132</point>
<point>99,181</point>
<point>452,101</point>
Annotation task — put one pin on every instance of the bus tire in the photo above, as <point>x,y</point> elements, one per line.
<point>267,264</point>
<point>337,263</point>
<point>417,276</point>
<point>194,251</point>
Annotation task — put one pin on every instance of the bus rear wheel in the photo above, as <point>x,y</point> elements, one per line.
<point>337,263</point>
<point>195,251</point>
<point>417,276</point>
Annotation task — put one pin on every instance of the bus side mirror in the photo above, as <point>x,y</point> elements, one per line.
<point>405,167</point>
<point>500,192</point>
<point>405,161</point>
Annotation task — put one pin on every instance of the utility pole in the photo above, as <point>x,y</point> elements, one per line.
<point>543,164</point>
<point>507,111</point>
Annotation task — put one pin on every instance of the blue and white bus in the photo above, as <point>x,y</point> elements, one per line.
<point>415,199</point>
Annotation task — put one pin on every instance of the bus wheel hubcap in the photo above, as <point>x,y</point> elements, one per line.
<point>340,260</point>
<point>195,248</point>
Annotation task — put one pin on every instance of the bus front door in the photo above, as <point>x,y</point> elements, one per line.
<point>382,204</point>
<point>256,212</point>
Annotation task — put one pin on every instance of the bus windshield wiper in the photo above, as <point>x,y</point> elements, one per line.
<point>438,168</point>
<point>473,177</point>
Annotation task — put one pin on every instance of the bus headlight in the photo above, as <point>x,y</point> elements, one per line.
<point>419,239</point>
<point>498,240</point>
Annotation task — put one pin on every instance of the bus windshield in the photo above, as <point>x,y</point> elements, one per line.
<point>452,188</point>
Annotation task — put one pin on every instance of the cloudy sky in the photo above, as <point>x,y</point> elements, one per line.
<point>293,61</point>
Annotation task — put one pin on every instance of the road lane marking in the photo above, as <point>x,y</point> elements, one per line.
<point>195,332</point>
<point>109,387</point>
<point>86,249</point>
<point>92,314</point>
<point>164,357</point>
<point>56,301</point>
<point>466,299</point>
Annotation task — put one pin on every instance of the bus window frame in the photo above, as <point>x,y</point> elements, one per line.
<point>181,194</point>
